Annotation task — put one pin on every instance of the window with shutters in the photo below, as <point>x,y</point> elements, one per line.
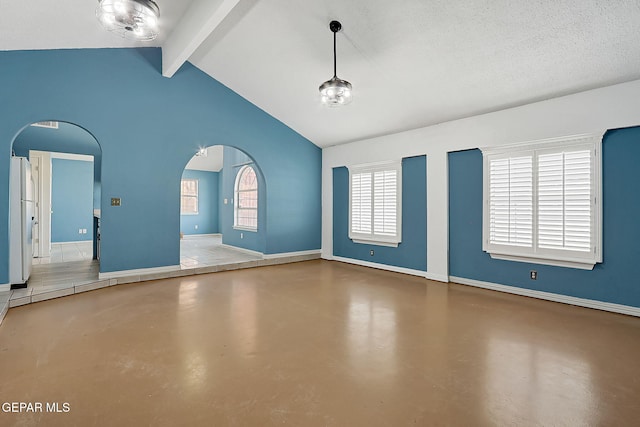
<point>189,197</point>
<point>375,201</point>
<point>246,200</point>
<point>542,202</point>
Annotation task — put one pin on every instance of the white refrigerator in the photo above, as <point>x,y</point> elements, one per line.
<point>21,217</point>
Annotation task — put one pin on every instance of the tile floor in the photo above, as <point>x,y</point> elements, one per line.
<point>66,252</point>
<point>207,250</point>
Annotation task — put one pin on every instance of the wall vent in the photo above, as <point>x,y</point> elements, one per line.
<point>50,125</point>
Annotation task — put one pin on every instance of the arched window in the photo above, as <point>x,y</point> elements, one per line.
<point>246,199</point>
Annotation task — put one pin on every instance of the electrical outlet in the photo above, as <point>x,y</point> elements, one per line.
<point>533,274</point>
<point>371,252</point>
<point>84,231</point>
<point>196,226</point>
<point>242,235</point>
<point>79,230</point>
<point>115,201</point>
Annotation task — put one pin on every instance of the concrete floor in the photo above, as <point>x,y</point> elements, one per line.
<point>317,343</point>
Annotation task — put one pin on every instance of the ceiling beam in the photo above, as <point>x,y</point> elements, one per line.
<point>197,23</point>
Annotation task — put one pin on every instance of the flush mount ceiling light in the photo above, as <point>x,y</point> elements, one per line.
<point>335,92</point>
<point>133,19</point>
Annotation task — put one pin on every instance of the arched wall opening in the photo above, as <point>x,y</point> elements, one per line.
<point>65,161</point>
<point>218,225</point>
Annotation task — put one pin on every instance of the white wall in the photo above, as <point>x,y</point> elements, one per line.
<point>587,112</point>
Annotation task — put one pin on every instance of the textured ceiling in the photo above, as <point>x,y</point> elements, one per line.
<point>70,24</point>
<point>412,63</point>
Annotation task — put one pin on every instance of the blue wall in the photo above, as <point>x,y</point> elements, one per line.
<point>71,200</point>
<point>122,99</point>
<point>207,217</point>
<point>615,280</point>
<point>412,251</point>
<point>232,161</point>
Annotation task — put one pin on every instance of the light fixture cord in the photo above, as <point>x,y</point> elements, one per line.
<point>335,74</point>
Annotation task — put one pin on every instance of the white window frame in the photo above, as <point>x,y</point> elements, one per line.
<point>197,196</point>
<point>534,254</point>
<point>373,238</point>
<point>236,199</point>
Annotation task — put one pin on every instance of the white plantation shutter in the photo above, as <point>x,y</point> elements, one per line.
<point>564,200</point>
<point>542,202</point>
<point>375,201</point>
<point>361,198</point>
<point>385,184</point>
<point>511,201</point>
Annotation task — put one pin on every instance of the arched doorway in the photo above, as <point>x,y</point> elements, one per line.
<point>65,162</point>
<point>222,209</point>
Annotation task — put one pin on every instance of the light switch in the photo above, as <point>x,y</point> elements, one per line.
<point>115,201</point>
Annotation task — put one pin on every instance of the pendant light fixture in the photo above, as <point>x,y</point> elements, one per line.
<point>132,19</point>
<point>335,92</point>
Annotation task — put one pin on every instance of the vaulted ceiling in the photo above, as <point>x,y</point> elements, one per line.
<point>412,63</point>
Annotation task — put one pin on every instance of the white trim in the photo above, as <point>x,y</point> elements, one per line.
<point>375,242</point>
<point>393,268</point>
<point>248,251</point>
<point>290,254</point>
<point>138,271</point>
<point>240,228</point>
<point>5,287</point>
<point>203,235</point>
<point>69,156</point>
<point>580,264</point>
<point>581,139</point>
<point>437,277</point>
<point>565,299</point>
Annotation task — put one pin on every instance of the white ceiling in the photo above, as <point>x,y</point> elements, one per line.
<point>212,162</point>
<point>412,63</point>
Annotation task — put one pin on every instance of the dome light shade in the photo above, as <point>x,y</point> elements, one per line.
<point>335,92</point>
<point>132,19</point>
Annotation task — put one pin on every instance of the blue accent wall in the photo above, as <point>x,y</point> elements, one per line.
<point>207,217</point>
<point>232,161</point>
<point>71,200</point>
<point>412,251</point>
<point>148,128</point>
<point>615,280</point>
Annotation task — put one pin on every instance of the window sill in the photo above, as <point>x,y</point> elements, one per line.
<point>579,264</point>
<point>190,213</point>
<point>255,230</point>
<point>376,243</point>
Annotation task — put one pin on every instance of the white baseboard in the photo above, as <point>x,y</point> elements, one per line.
<point>581,302</point>
<point>137,272</point>
<point>5,287</point>
<point>72,243</point>
<point>248,251</point>
<point>203,235</point>
<point>381,266</point>
<point>290,254</point>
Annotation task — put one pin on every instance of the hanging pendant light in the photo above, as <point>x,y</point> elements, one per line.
<point>132,19</point>
<point>335,92</point>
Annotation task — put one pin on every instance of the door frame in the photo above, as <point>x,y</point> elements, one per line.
<point>43,201</point>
